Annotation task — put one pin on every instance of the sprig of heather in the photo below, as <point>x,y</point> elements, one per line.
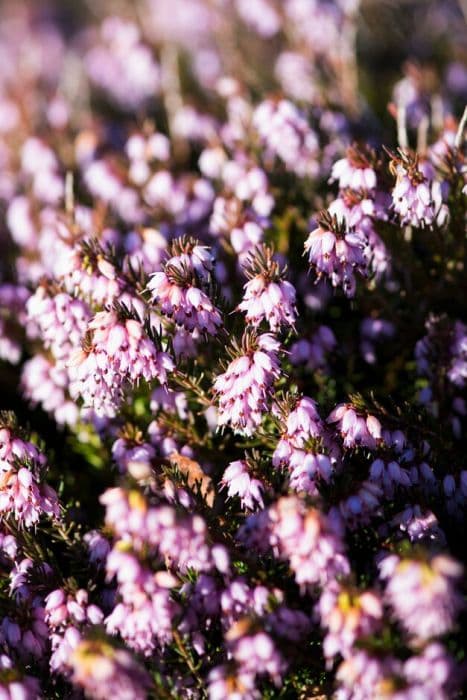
<point>244,389</point>
<point>117,352</point>
<point>180,289</point>
<point>268,295</point>
<point>336,251</point>
<point>417,197</point>
<point>24,495</point>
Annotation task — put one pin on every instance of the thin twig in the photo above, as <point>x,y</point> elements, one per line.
<point>402,137</point>
<point>186,656</point>
<point>171,83</point>
<point>463,6</point>
<point>69,193</point>
<point>437,112</point>
<point>461,129</point>
<point>422,135</point>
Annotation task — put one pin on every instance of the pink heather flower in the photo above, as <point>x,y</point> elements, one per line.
<point>423,594</point>
<point>286,134</point>
<point>25,499</point>
<point>188,305</point>
<point>309,540</point>
<point>337,252</point>
<point>267,295</point>
<point>14,685</point>
<point>239,599</point>
<point>21,224</point>
<point>19,578</point>
<point>178,289</point>
<point>419,525</point>
<point>13,299</point>
<point>244,227</point>
<point>39,164</point>
<point>13,448</point>
<point>240,483</point>
<point>45,383</point>
<point>260,15</point>
<point>364,677</point>
<point>180,539</point>
<point>145,611</point>
<point>61,609</point>
<point>85,271</point>
<point>248,183</point>
<point>298,449</point>
<point>347,615</point>
<point>133,456</point>
<point>105,182</point>
<point>122,65</point>
<point>117,352</point>
<point>185,343</point>
<point>307,468</point>
<point>416,199</point>
<point>243,389</point>
<point>142,151</point>
<point>303,422</point>
<point>63,645</point>
<point>319,24</point>
<point>457,373</point>
<point>255,652</point>
<point>61,321</point>
<point>232,683</point>
<point>8,546</point>
<point>104,671</point>
<point>359,212</point>
<point>428,675</point>
<point>145,247</point>
<point>164,399</point>
<point>188,201</point>
<point>67,616</point>
<point>98,547</point>
<point>22,491</point>
<point>126,514</point>
<point>374,331</point>
<point>297,76</point>
<point>212,161</point>
<point>202,604</point>
<point>355,171</point>
<point>187,253</point>
<point>357,208</point>
<point>356,429</point>
<point>312,353</point>
<point>432,673</point>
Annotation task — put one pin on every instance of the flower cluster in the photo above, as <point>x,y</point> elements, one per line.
<point>233,350</point>
<point>267,295</point>
<point>244,388</point>
<point>337,252</point>
<point>417,197</point>
<point>116,351</point>
<point>23,493</point>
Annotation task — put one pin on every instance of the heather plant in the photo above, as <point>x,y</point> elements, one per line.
<point>233,350</point>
